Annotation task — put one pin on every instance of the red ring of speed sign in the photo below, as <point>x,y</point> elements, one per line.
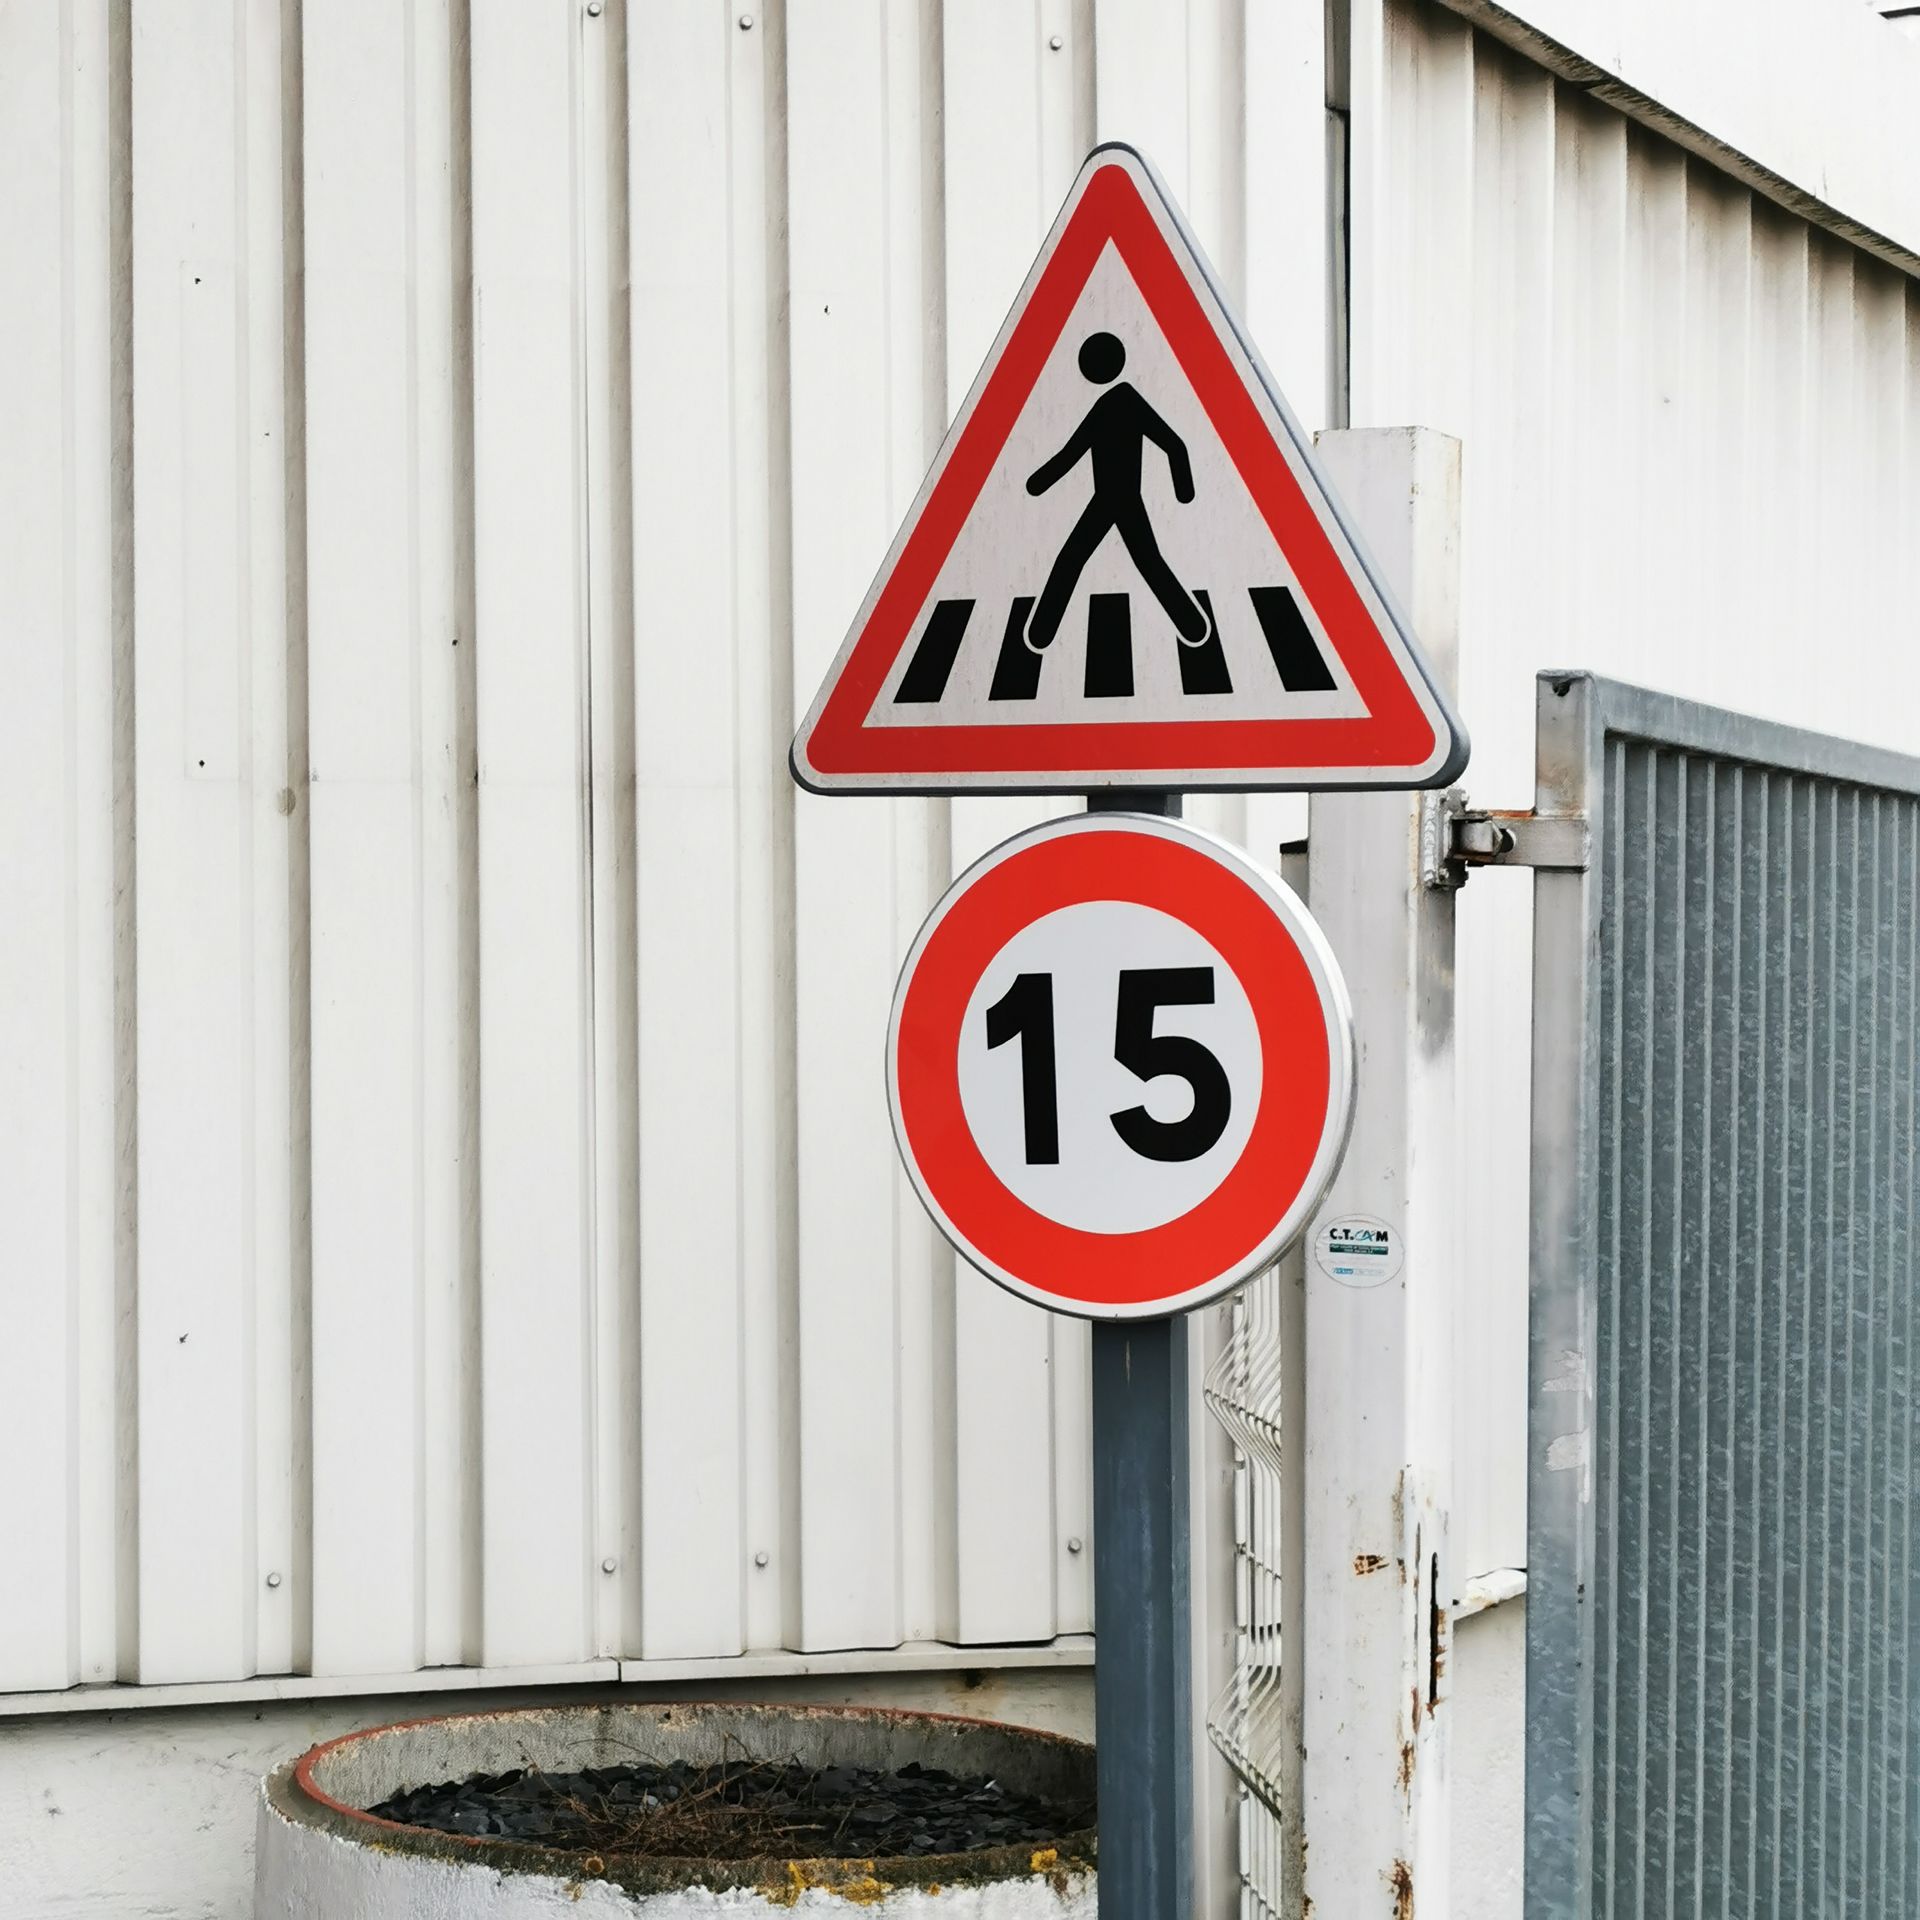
<point>1120,1066</point>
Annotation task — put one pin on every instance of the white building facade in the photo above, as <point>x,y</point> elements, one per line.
<point>451,1238</point>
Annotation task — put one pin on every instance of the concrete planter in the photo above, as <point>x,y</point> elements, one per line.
<point>322,1858</point>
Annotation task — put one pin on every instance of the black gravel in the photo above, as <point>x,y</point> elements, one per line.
<point>740,1811</point>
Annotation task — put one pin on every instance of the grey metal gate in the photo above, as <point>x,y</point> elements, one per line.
<point>1721,1709</point>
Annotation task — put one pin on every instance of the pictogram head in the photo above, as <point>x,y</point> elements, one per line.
<point>1101,357</point>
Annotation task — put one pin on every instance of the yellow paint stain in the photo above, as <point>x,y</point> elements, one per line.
<point>850,1880</point>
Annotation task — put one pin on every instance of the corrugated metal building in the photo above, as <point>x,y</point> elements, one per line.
<point>449,1216</point>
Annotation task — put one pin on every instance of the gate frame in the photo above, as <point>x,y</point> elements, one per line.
<point>1578,714</point>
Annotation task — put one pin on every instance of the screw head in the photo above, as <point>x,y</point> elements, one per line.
<point>593,9</point>
<point>609,1565</point>
<point>1073,1545</point>
<point>760,1558</point>
<point>1055,42</point>
<point>746,23</point>
<point>273,1579</point>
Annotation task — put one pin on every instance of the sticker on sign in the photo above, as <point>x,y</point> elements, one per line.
<point>1120,1066</point>
<point>1358,1250</point>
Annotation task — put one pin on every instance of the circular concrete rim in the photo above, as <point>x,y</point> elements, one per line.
<point>1071,1853</point>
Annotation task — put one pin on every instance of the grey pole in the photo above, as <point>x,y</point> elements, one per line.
<point>1143,1646</point>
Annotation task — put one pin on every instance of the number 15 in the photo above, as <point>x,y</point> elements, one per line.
<point>1025,1011</point>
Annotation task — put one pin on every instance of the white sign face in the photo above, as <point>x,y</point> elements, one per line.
<point>1120,1065</point>
<point>1125,567</point>
<point>1108,988</point>
<point>1111,652</point>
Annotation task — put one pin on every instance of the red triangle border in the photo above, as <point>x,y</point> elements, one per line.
<point>1395,732</point>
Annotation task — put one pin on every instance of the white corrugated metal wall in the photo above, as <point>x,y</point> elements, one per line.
<point>1692,459</point>
<point>440,1135</point>
<point>449,1216</point>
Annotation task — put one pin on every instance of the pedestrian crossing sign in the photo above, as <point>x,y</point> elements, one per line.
<point>1124,569</point>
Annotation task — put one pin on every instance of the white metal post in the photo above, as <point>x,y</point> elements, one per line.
<point>1378,1415</point>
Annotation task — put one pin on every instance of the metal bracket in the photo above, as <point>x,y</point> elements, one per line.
<point>1455,838</point>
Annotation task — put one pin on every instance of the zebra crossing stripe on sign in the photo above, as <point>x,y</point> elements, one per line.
<point>1124,567</point>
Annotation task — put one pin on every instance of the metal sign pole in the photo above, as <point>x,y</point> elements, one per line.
<point>1143,1657</point>
<point>1142,1663</point>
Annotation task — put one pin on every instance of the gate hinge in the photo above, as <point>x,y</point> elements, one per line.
<point>1455,838</point>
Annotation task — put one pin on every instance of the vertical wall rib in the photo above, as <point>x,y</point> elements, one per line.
<point>505,402</point>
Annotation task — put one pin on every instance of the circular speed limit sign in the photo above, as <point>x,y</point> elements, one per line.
<point>1120,1066</point>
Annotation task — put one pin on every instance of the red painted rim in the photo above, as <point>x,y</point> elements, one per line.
<point>1394,731</point>
<point>303,1768</point>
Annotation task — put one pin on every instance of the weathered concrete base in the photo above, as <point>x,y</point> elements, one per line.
<point>315,1876</point>
<point>149,1813</point>
<point>321,1857</point>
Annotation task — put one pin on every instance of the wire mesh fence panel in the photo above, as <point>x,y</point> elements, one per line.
<point>1255,1721</point>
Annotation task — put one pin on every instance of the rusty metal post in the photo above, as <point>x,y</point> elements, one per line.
<point>1379,1584</point>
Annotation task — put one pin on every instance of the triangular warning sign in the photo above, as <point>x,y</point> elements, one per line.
<point>1124,568</point>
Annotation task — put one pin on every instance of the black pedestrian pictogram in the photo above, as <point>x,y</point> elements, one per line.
<point>1297,656</point>
<point>1109,647</point>
<point>926,677</point>
<point>1016,673</point>
<point>1203,668</point>
<point>1113,436</point>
